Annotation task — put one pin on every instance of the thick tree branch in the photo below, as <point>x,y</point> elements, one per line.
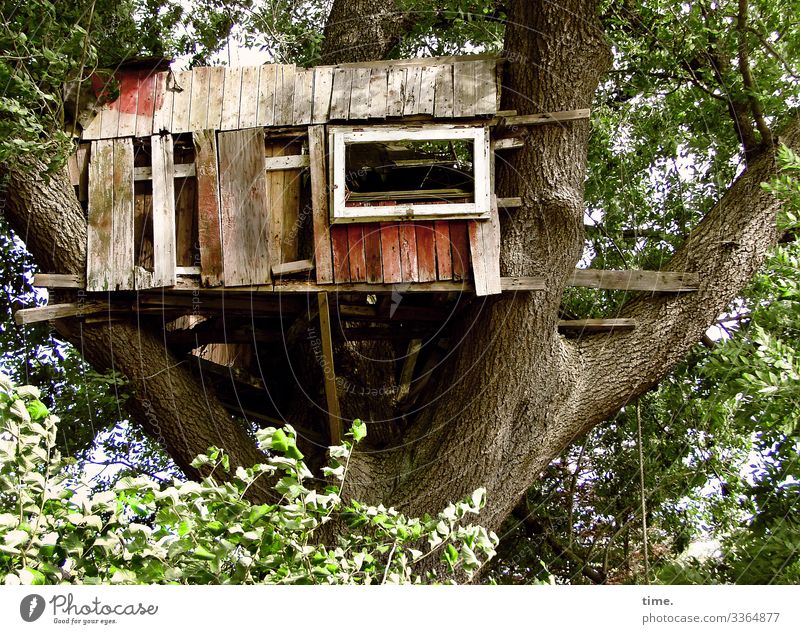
<point>747,76</point>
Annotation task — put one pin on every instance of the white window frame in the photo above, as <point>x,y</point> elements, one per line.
<point>339,137</point>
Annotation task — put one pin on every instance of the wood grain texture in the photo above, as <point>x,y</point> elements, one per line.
<point>328,370</point>
<point>163,211</point>
<point>122,245</point>
<point>100,217</point>
<point>459,244</point>
<point>408,252</point>
<point>323,260</point>
<point>265,111</point>
<point>145,107</point>
<point>248,104</point>
<point>426,251</point>
<point>185,227</point>
<point>243,198</point>
<point>356,253</point>
<point>359,94</point>
<point>341,251</point>
<point>198,107</point>
<point>378,87</point>
<point>340,95</point>
<point>216,93</point>
<point>209,230</point>
<point>323,85</point>
<point>162,114</point>
<point>395,97</point>
<point>390,253</point>
<point>464,91</point>
<point>181,104</point>
<point>444,262</point>
<point>427,93</point>
<point>372,252</point>
<point>486,86</point>
<point>284,94</point>
<point>303,105</point>
<point>127,103</point>
<point>275,200</point>
<point>231,98</point>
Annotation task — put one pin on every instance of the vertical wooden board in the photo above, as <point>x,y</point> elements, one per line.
<point>275,199</point>
<point>162,117</point>
<point>329,371</point>
<point>127,103</point>
<point>292,179</point>
<point>378,86</point>
<point>341,249</point>
<point>319,204</point>
<point>427,90</point>
<point>159,95</point>
<point>109,120</point>
<point>284,94</point>
<point>359,94</point>
<point>303,96</point>
<point>356,254</point>
<point>486,86</point>
<point>411,91</point>
<point>340,94</point>
<point>408,252</point>
<point>93,130</point>
<point>265,112</point>
<point>100,217</point>
<point>464,89</point>
<point>459,243</point>
<point>390,253</point>
<point>323,85</point>
<point>216,94</point>
<point>208,211</point>
<point>146,105</point>
<point>491,243</point>
<point>243,199</point>
<point>122,217</point>
<point>184,221</point>
<point>395,99</point>
<point>478,256</point>
<point>231,98</point>
<point>142,226</point>
<point>181,103</point>
<point>163,211</point>
<point>444,262</point>
<point>198,102</point>
<point>443,98</point>
<point>426,251</point>
<point>372,253</point>
<point>248,108</point>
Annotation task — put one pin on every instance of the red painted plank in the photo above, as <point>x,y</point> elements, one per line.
<point>408,252</point>
<point>460,250</point>
<point>390,253</point>
<point>208,212</point>
<point>372,248</point>
<point>358,264</point>
<point>426,251</point>
<point>341,263</point>
<point>146,105</point>
<point>444,264</point>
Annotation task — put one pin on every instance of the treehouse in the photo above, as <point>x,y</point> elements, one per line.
<point>221,199</point>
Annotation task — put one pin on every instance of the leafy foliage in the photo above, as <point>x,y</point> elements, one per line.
<point>208,531</point>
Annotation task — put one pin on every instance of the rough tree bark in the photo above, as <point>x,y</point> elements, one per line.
<point>512,393</point>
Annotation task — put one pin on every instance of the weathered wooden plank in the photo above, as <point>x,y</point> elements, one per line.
<point>231,98</point>
<point>395,97</point>
<point>127,103</point>
<point>122,246</point>
<point>464,89</point>
<point>444,262</point>
<point>443,98</point>
<point>216,95</point>
<point>319,204</point>
<point>459,244</point>
<point>146,105</point>
<point>591,326</point>
<point>78,165</point>
<point>340,95</point>
<point>341,253</point>
<point>514,284</point>
<point>58,311</point>
<point>58,280</point>
<point>478,257</point>
<point>486,87</point>
<point>359,94</point>
<point>356,253</point>
<point>292,181</point>
<point>323,85</point>
<point>248,107</point>
<point>162,114</point>
<point>275,181</point>
<point>185,240</point>
<point>145,172</point>
<point>390,253</point>
<point>652,281</point>
<point>109,120</point>
<point>245,208</point>
<point>288,162</point>
<point>372,252</point>
<point>491,241</point>
<point>142,227</point>
<point>284,95</point>
<point>408,252</point>
<point>545,117</point>
<point>198,101</point>
<point>292,268</point>
<point>182,101</point>
<point>265,113</point>
<point>426,251</point>
<point>187,270</point>
<point>412,90</point>
<point>427,94</point>
<point>303,96</point>
<point>163,211</point>
<point>99,250</point>
<point>509,203</point>
<point>378,86</point>
<point>328,370</point>
<point>510,143</point>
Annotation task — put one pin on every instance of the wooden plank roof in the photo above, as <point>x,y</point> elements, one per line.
<point>230,98</point>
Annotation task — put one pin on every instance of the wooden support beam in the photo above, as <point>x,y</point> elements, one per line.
<point>509,203</point>
<point>522,284</point>
<point>652,281</point>
<point>58,311</point>
<point>292,268</point>
<point>509,143</point>
<point>58,280</point>
<point>414,346</point>
<point>291,162</point>
<point>328,371</point>
<point>180,170</point>
<point>545,117</point>
<point>591,326</point>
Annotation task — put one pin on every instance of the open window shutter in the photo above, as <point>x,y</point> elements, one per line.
<point>245,208</point>
<point>109,264</point>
